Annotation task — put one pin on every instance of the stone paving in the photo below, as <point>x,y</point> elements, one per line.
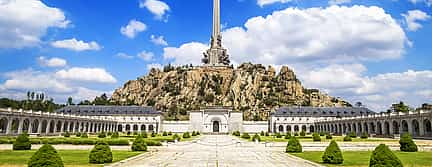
<point>216,150</point>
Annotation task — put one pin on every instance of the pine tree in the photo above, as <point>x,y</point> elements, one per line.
<point>293,146</point>
<point>382,156</point>
<point>407,144</point>
<point>46,156</point>
<point>332,154</point>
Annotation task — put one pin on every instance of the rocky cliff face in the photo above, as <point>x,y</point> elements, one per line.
<point>251,89</point>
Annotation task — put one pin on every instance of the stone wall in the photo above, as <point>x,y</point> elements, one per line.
<point>255,126</point>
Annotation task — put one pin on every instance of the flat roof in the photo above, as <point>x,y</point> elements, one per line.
<point>297,111</point>
<point>108,110</point>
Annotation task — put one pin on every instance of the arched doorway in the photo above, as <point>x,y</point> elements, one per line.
<point>119,128</point>
<point>427,127</point>
<point>35,126</point>
<point>404,126</point>
<point>216,126</point>
<point>395,127</point>
<point>415,128</point>
<point>3,125</point>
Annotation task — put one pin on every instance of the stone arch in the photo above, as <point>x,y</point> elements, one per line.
<point>281,128</point>
<point>65,126</point>
<point>404,125</point>
<point>135,128</point>
<point>82,128</point>
<point>386,128</point>
<point>296,128</point>
<point>349,127</point>
<point>143,127</point>
<point>71,126</point>
<point>3,125</point>
<point>58,126</point>
<point>365,127</point>
<point>396,127</point>
<point>311,129</point>
<point>87,127</point>
<point>25,125</point>
<point>44,126</point>
<point>35,126</point>
<point>427,127</point>
<point>51,126</point>
<point>415,127</point>
<point>128,128</point>
<point>15,125</point>
<point>151,128</point>
<point>304,128</point>
<point>354,128</point>
<point>288,128</point>
<point>372,127</point>
<point>120,128</point>
<point>379,128</point>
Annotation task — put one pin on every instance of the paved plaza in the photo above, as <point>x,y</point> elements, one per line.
<point>217,150</point>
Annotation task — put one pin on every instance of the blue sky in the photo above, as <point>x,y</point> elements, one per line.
<point>377,52</point>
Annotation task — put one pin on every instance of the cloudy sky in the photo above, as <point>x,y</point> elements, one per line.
<point>376,52</point>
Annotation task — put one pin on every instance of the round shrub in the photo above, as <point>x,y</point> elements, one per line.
<point>329,136</point>
<point>78,134</point>
<point>322,134</point>
<point>153,134</point>
<point>278,135</point>
<point>115,135</point>
<point>382,156</point>
<point>407,144</point>
<point>256,137</point>
<point>198,133</point>
<point>353,135</point>
<point>262,133</point>
<point>164,134</point>
<point>135,133</point>
<point>144,134</point>
<point>293,146</point>
<point>364,135</point>
<point>287,135</point>
<point>46,156</point>
<point>66,134</point>
<point>128,133</point>
<point>101,153</point>
<point>186,135</point>
<point>267,134</point>
<point>316,137</point>
<point>84,135</point>
<point>236,133</point>
<point>302,133</point>
<point>347,138</point>
<point>109,133</point>
<point>194,133</point>
<point>22,142</point>
<point>176,137</point>
<point>169,133</point>
<point>296,134</point>
<point>153,143</point>
<point>332,154</point>
<point>139,144</point>
<point>102,135</point>
<point>245,136</point>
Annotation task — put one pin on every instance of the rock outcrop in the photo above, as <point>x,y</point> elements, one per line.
<point>251,89</point>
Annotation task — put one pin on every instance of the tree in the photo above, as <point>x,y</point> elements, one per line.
<point>399,107</point>
<point>46,156</point>
<point>332,154</point>
<point>22,142</point>
<point>101,153</point>
<point>382,156</point>
<point>70,101</point>
<point>407,144</point>
<point>139,144</point>
<point>294,146</point>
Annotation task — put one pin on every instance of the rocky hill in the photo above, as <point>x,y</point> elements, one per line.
<point>251,89</point>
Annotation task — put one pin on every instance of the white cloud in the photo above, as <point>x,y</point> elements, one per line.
<point>154,65</point>
<point>325,35</point>
<point>24,22</point>
<point>158,8</point>
<point>95,75</point>
<point>34,80</point>
<point>123,56</point>
<point>338,2</point>
<point>76,45</point>
<point>185,54</point>
<point>158,40</point>
<point>52,62</point>
<point>269,2</point>
<point>427,2</point>
<point>133,28</point>
<point>412,18</point>
<point>146,56</point>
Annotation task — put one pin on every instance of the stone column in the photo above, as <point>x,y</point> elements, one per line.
<point>62,127</point>
<point>30,126</point>
<point>9,126</point>
<point>48,126</point>
<point>410,127</point>
<point>39,129</point>
<point>421,127</point>
<point>20,125</point>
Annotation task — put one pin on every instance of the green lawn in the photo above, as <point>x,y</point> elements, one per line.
<point>69,157</point>
<point>361,158</point>
<point>323,139</point>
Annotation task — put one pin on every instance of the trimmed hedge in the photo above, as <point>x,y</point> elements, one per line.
<point>194,133</point>
<point>139,144</point>
<point>115,135</point>
<point>302,133</point>
<point>364,135</point>
<point>294,146</point>
<point>153,134</point>
<point>332,154</point>
<point>267,134</point>
<point>245,136</point>
<point>100,154</point>
<point>22,142</point>
<point>262,133</point>
<point>153,143</point>
<point>46,156</point>
<point>322,133</point>
<point>164,134</point>
<point>186,135</point>
<point>66,134</point>
<point>278,135</point>
<point>407,144</point>
<point>352,135</point>
<point>347,138</point>
<point>102,135</point>
<point>236,133</point>
<point>316,137</point>
<point>176,136</point>
<point>287,135</point>
<point>382,156</point>
<point>170,133</point>
<point>256,137</point>
<point>329,136</point>
<point>144,134</point>
<point>84,135</point>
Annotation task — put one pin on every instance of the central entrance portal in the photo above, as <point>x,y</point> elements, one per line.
<point>216,126</point>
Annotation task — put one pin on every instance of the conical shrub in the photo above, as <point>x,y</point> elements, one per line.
<point>382,156</point>
<point>256,137</point>
<point>46,156</point>
<point>139,144</point>
<point>407,144</point>
<point>333,154</point>
<point>293,146</point>
<point>316,137</point>
<point>22,142</point>
<point>101,153</point>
